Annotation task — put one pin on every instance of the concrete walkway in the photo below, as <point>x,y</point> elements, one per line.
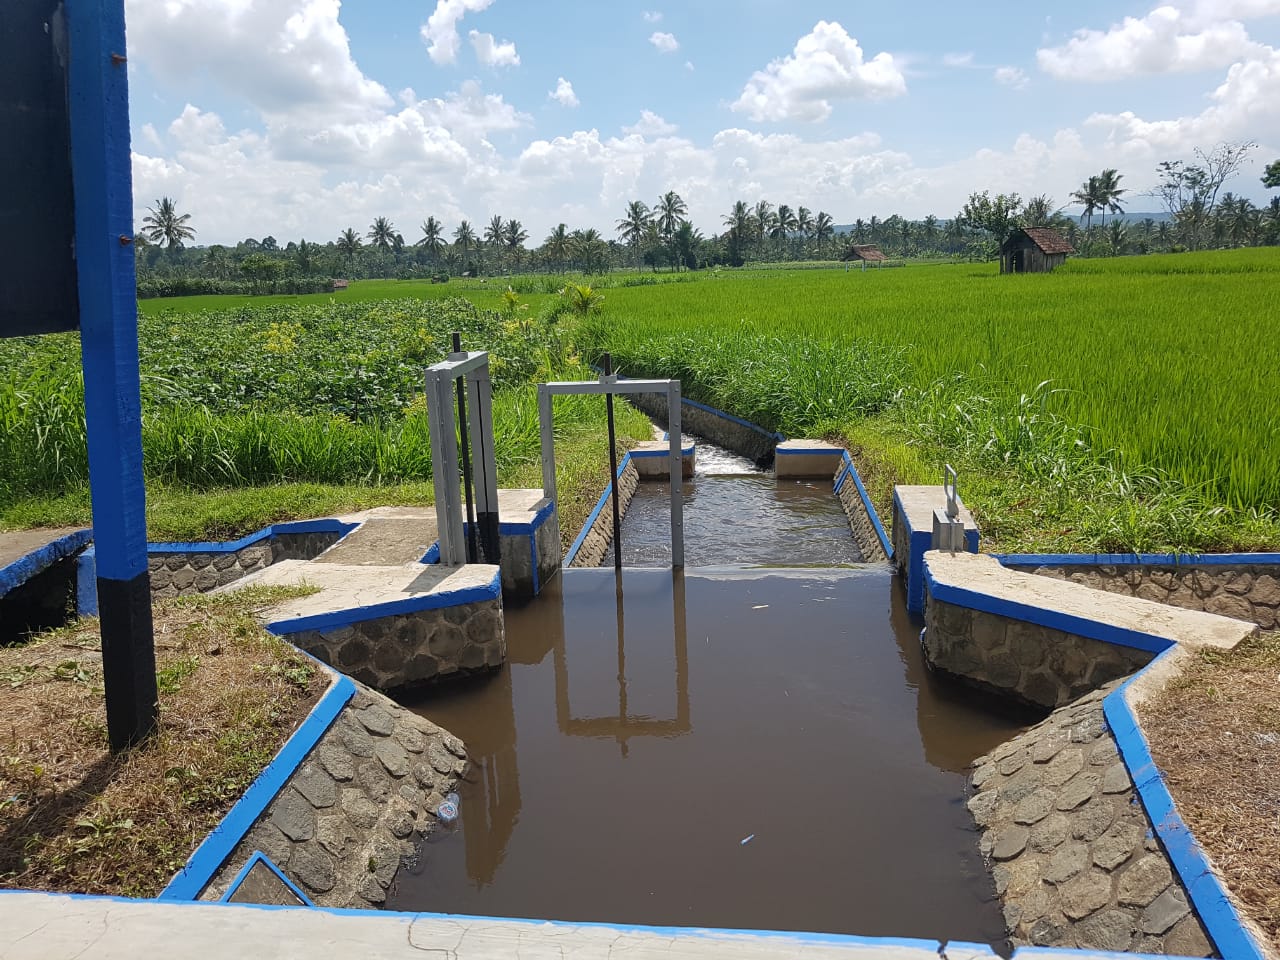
<point>37,926</point>
<point>387,537</point>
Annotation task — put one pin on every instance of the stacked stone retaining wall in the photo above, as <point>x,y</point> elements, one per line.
<point>864,531</point>
<point>413,649</point>
<point>595,545</point>
<point>357,807</point>
<point>742,438</point>
<point>181,573</point>
<point>1024,661</point>
<point>1249,592</point>
<point>1072,851</point>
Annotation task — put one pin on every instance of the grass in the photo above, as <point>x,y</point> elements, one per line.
<point>1116,405</point>
<point>74,818</point>
<point>1215,732</point>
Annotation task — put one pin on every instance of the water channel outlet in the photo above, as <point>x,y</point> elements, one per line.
<point>753,742</point>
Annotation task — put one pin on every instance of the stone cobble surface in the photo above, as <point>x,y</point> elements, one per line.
<point>178,574</point>
<point>357,808</point>
<point>414,649</point>
<point>600,536</point>
<point>1071,849</point>
<point>1249,592</point>
<point>864,532</point>
<point>1024,661</point>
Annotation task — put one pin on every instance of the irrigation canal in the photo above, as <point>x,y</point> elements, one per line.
<point>751,743</point>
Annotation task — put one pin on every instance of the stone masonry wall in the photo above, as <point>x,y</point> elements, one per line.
<point>357,807</point>
<point>413,649</point>
<point>1024,661</point>
<point>1249,592</point>
<point>181,574</point>
<point>1072,851</point>
<point>725,433</point>
<point>864,532</point>
<point>600,536</point>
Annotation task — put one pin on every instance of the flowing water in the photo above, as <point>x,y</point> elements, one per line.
<point>735,745</point>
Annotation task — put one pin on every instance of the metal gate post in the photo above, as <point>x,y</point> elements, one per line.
<point>676,462</point>
<point>545,413</point>
<point>444,467</point>
<point>480,411</point>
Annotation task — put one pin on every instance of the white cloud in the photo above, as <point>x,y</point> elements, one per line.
<point>492,53</point>
<point>1011,77</point>
<point>650,125</point>
<point>1166,40</point>
<point>957,59</point>
<point>688,65</point>
<point>652,16</point>
<point>665,42</point>
<point>280,56</point>
<point>563,93</point>
<point>827,64</point>
<point>440,32</point>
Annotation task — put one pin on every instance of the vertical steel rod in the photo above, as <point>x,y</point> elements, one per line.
<point>613,470</point>
<point>473,552</point>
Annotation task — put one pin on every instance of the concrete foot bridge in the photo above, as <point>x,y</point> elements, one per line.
<point>742,716</point>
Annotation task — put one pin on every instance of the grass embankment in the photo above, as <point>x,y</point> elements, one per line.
<point>269,413</point>
<point>1119,405</point>
<point>73,817</point>
<point>1215,732</point>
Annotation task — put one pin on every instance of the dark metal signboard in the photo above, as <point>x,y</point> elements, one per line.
<point>38,291</point>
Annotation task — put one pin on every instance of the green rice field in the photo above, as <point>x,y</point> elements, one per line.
<point>1116,404</point>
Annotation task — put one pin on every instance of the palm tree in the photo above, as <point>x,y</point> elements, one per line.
<point>165,226</point>
<point>432,238</point>
<point>631,226</point>
<point>1089,197</point>
<point>382,233</point>
<point>670,213</point>
<point>495,237</point>
<point>929,231</point>
<point>588,249</point>
<point>784,224</point>
<point>514,235</point>
<point>557,245</point>
<point>763,216</point>
<point>823,228</point>
<point>464,239</point>
<point>804,226</point>
<point>1109,193</point>
<point>685,245</point>
<point>741,227</point>
<point>1039,212</point>
<point>348,244</point>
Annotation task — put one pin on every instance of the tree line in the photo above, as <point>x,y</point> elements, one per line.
<point>1198,213</point>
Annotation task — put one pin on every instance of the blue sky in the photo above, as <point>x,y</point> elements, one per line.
<point>303,117</point>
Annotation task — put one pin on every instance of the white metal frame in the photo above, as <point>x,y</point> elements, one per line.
<point>611,384</point>
<point>440,380</point>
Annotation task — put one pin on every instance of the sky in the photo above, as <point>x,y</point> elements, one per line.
<point>300,118</point>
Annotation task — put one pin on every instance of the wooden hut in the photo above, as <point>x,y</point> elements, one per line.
<point>1034,250</point>
<point>864,252</point>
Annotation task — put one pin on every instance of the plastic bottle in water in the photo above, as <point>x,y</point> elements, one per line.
<point>447,812</point>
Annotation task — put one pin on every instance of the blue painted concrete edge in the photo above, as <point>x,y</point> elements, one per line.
<point>1052,619</point>
<point>391,608</point>
<point>1136,559</point>
<point>591,518</point>
<point>260,857</point>
<point>325,525</point>
<point>218,845</point>
<point>41,559</point>
<point>1207,893</point>
<point>808,452</point>
<point>850,472</point>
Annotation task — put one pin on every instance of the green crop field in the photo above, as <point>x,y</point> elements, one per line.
<point>1119,404</point>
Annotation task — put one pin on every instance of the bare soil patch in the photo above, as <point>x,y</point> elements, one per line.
<point>74,818</point>
<point>1215,733</point>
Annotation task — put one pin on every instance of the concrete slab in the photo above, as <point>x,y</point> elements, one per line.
<point>919,501</point>
<point>37,926</point>
<point>386,539</point>
<point>984,575</point>
<point>16,544</point>
<point>353,586</point>
<point>806,459</point>
<point>653,459</point>
<point>517,505</point>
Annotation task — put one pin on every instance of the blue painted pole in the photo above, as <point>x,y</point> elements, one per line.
<point>103,182</point>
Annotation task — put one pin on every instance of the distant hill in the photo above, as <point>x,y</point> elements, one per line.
<point>1135,217</point>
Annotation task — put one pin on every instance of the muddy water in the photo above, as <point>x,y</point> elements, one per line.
<point>736,514</point>
<point>729,748</point>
